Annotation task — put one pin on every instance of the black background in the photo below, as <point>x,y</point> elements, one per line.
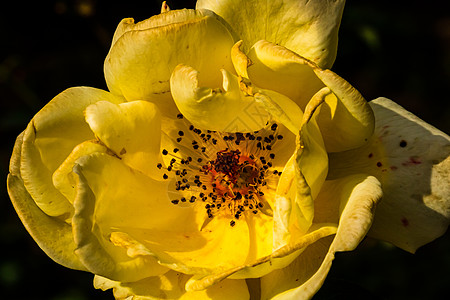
<point>396,49</point>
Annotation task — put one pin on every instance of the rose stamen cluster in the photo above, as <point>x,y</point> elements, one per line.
<point>230,173</point>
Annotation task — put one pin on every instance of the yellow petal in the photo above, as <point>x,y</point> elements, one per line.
<point>53,236</point>
<point>37,179</point>
<point>107,193</point>
<point>346,119</point>
<point>300,183</point>
<point>276,68</point>
<point>63,178</point>
<point>312,158</point>
<point>416,203</point>
<point>240,61</point>
<point>356,196</point>
<point>283,205</point>
<point>232,109</point>
<point>281,108</point>
<point>308,28</point>
<point>143,55</point>
<point>131,130</point>
<point>171,286</point>
<point>311,261</point>
<point>50,138</point>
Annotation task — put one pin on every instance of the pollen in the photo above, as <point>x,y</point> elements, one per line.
<point>231,175</point>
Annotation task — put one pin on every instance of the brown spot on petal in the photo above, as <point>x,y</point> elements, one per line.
<point>405,222</point>
<point>123,151</point>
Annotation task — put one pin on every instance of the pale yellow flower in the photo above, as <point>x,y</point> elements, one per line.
<point>226,160</point>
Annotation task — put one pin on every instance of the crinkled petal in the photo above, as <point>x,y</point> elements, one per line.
<point>346,119</point>
<point>143,55</point>
<point>308,28</point>
<point>171,286</point>
<point>357,197</point>
<point>276,68</point>
<point>281,108</point>
<point>300,183</point>
<point>64,179</point>
<point>49,139</point>
<point>411,159</point>
<point>131,130</point>
<point>416,207</point>
<point>232,109</point>
<point>37,179</point>
<point>111,197</point>
<point>53,236</point>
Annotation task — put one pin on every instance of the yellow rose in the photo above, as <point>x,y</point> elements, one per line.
<point>226,160</point>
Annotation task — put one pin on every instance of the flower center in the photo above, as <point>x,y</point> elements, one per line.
<point>230,173</point>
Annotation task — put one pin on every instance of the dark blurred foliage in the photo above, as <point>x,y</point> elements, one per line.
<point>397,49</point>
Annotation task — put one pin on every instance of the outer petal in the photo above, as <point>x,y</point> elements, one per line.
<point>171,286</point>
<point>53,236</point>
<point>49,139</point>
<point>411,159</point>
<point>308,28</point>
<point>232,109</point>
<point>357,196</point>
<point>131,130</point>
<point>415,176</point>
<point>99,210</point>
<point>143,55</point>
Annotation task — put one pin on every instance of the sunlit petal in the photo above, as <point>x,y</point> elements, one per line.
<point>308,28</point>
<point>171,286</point>
<point>231,109</point>
<point>53,236</point>
<point>143,55</point>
